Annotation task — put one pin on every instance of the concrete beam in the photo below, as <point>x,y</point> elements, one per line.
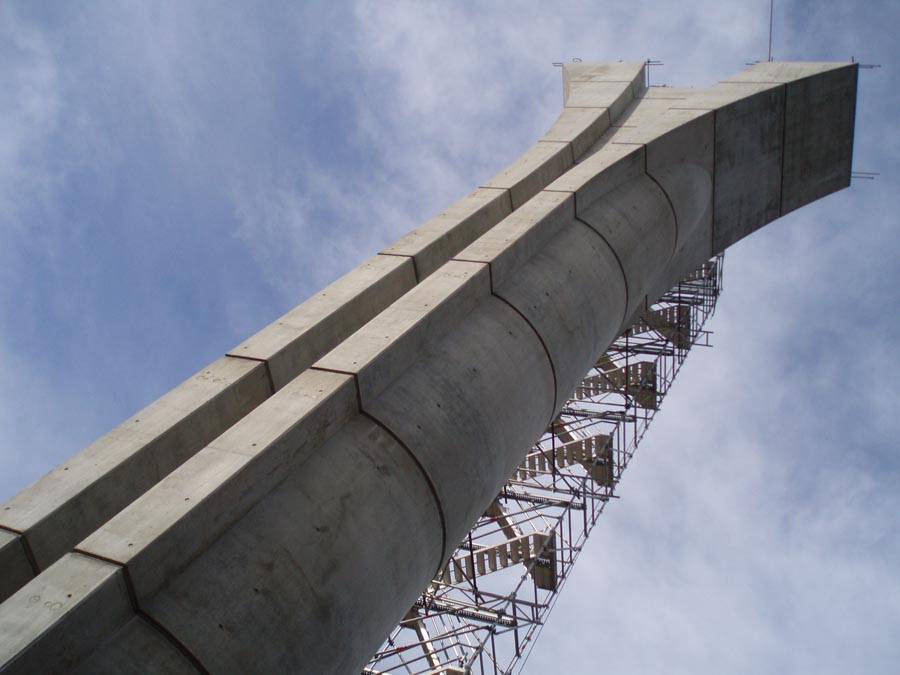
<point>71,501</point>
<point>436,241</point>
<point>58,619</point>
<point>183,514</point>
<point>296,340</point>
<point>14,562</point>
<point>542,163</point>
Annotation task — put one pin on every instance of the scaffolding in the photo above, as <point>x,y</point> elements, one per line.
<point>485,609</point>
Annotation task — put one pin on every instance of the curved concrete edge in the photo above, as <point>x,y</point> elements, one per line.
<point>617,197</point>
<point>516,240</point>
<point>637,223</point>
<point>183,514</point>
<point>296,340</point>
<point>72,500</point>
<point>259,583</point>
<point>58,618</point>
<point>545,264</point>
<point>137,648</point>
<point>437,240</point>
<point>481,394</point>
<point>576,129</point>
<point>378,353</point>
<point>783,137</point>
<point>535,168</point>
<point>573,294</point>
<point>14,562</point>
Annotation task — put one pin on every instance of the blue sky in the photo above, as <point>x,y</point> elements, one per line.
<point>174,175</point>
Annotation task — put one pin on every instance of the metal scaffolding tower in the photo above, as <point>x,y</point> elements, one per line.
<point>482,613</point>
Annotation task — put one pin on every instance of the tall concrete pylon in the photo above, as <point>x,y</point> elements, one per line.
<point>280,510</point>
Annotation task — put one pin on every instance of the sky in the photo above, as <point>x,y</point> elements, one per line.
<point>175,175</point>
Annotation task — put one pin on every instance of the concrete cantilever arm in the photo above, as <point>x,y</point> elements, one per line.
<point>293,533</point>
<point>48,518</point>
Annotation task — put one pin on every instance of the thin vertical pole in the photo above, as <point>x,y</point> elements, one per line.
<point>771,17</point>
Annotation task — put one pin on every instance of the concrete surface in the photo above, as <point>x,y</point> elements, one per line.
<point>539,165</point>
<point>14,563</point>
<point>313,562</point>
<point>469,408</point>
<point>296,340</point>
<point>175,521</point>
<point>437,240</point>
<point>385,347</point>
<point>71,501</point>
<point>59,618</point>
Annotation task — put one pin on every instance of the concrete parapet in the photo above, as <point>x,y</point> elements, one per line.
<point>601,172</point>
<point>67,504</point>
<point>14,563</point>
<point>176,520</point>
<point>59,618</point>
<point>296,340</point>
<point>516,240</point>
<point>385,347</point>
<point>572,134</point>
<point>579,126</point>
<point>600,85</point>
<point>437,240</point>
<point>542,163</point>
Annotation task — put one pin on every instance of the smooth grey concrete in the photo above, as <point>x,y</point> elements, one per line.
<point>601,172</point>
<point>437,240</point>
<point>183,514</point>
<point>468,407</point>
<point>610,85</point>
<point>14,564</point>
<point>579,126</point>
<point>748,158</point>
<point>681,162</point>
<point>637,222</point>
<point>67,504</point>
<point>541,163</point>
<point>298,537</point>
<point>818,139</point>
<point>378,354</point>
<point>313,565</point>
<point>137,648</point>
<point>572,292</point>
<point>296,340</point>
<point>57,619</point>
<point>521,235</point>
<point>560,276</point>
<point>70,502</point>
